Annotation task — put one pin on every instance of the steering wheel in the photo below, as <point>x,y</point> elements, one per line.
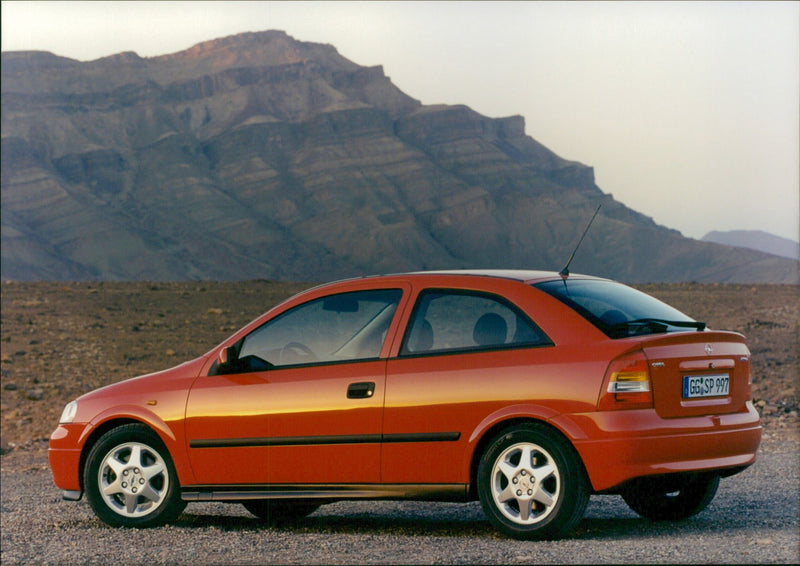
<point>296,352</point>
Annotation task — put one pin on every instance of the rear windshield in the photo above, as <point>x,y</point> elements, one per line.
<point>618,310</point>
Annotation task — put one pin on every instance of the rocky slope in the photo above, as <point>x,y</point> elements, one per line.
<point>259,156</point>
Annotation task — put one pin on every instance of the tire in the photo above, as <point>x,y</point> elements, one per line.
<point>277,512</point>
<point>671,499</point>
<point>532,484</point>
<point>130,480</point>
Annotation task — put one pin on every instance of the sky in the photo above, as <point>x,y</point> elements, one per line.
<point>689,112</point>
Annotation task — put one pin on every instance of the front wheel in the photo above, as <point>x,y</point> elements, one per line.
<point>130,479</point>
<point>671,498</point>
<point>531,483</point>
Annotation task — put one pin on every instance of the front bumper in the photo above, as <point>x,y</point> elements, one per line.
<point>64,455</point>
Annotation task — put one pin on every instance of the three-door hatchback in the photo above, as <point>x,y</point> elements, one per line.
<point>527,390</point>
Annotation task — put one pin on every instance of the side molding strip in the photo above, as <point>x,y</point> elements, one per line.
<point>321,440</point>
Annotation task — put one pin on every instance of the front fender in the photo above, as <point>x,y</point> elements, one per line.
<point>172,435</point>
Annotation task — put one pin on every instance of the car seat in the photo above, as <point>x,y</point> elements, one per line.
<point>490,330</point>
<point>421,339</point>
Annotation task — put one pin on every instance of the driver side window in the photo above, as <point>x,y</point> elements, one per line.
<point>343,327</point>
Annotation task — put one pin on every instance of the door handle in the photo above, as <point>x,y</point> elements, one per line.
<point>360,390</point>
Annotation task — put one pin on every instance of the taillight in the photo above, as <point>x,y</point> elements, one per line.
<point>748,369</point>
<point>627,384</point>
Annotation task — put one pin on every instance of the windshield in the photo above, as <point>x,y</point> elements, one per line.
<point>616,309</point>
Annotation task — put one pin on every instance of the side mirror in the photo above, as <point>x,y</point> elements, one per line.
<point>226,355</point>
<point>225,361</point>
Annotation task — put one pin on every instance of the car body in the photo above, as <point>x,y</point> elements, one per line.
<point>527,390</point>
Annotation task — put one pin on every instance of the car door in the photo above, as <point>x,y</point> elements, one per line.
<point>301,400</point>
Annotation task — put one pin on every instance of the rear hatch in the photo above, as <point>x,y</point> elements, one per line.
<point>698,373</point>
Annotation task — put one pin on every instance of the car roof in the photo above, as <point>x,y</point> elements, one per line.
<point>525,275</point>
<point>515,274</point>
<point>528,276</point>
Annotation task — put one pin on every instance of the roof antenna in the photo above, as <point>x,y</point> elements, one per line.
<point>565,272</point>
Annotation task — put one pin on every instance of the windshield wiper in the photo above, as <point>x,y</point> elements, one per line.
<point>656,324</point>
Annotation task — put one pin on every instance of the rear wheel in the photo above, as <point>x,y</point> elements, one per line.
<point>130,479</point>
<point>671,498</point>
<point>531,483</point>
<point>276,512</point>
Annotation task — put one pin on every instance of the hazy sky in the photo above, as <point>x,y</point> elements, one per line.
<point>689,112</point>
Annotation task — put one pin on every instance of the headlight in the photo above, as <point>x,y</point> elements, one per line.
<point>69,413</point>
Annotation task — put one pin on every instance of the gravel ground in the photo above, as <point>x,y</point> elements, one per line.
<point>753,519</point>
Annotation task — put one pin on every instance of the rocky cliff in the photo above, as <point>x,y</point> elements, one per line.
<point>259,156</point>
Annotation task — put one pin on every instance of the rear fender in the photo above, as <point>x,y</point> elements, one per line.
<point>515,413</point>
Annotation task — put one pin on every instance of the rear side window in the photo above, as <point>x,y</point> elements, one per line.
<point>451,320</point>
<point>616,309</point>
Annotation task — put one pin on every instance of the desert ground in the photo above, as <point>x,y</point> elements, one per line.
<point>61,339</point>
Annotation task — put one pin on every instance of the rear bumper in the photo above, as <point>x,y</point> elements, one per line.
<point>622,445</point>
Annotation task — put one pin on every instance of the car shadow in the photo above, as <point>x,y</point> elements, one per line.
<point>606,528</point>
<point>376,517</point>
<point>348,524</point>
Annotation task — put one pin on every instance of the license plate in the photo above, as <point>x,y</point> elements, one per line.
<point>706,385</point>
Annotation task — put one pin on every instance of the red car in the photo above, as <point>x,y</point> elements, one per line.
<point>529,391</point>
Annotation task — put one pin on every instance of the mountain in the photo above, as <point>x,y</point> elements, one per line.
<point>756,240</point>
<point>260,156</point>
